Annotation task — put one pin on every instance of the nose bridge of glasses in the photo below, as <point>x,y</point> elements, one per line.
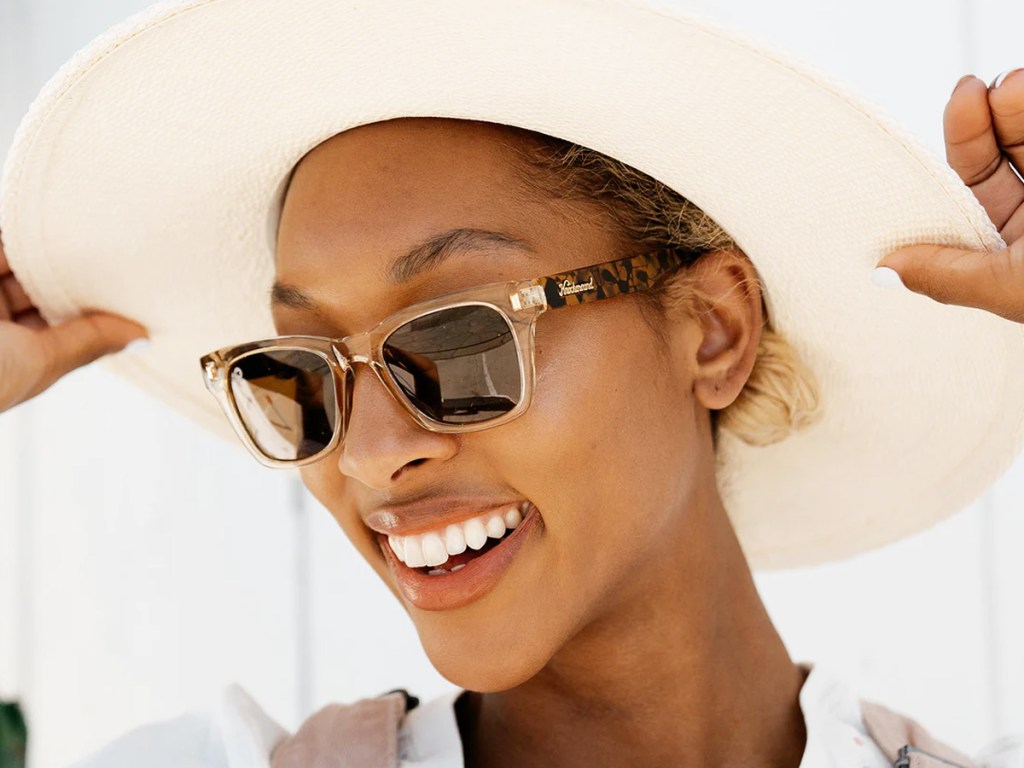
<point>353,349</point>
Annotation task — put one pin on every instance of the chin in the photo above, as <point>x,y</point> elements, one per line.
<point>484,665</point>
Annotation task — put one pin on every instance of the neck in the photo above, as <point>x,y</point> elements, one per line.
<point>686,669</point>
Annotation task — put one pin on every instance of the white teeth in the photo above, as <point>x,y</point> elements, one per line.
<point>439,571</point>
<point>454,540</point>
<point>396,546</point>
<point>434,547</point>
<point>413,551</point>
<point>495,527</point>
<point>513,517</point>
<point>476,534</point>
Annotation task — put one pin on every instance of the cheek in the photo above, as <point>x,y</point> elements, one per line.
<point>609,424</point>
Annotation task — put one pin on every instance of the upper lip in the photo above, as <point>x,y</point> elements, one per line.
<point>431,514</point>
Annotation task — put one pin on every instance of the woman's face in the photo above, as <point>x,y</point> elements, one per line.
<point>613,451</point>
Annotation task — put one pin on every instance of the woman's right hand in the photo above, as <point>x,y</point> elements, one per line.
<point>984,128</point>
<point>33,355</point>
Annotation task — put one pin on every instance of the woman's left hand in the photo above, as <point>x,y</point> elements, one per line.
<point>984,132</point>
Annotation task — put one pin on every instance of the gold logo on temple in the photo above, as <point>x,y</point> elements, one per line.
<point>567,287</point>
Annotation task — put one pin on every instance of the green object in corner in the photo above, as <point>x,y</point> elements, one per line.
<point>13,736</point>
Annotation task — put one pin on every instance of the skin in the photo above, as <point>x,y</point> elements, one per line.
<point>666,639</point>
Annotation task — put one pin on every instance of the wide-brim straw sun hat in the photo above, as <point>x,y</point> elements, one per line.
<point>147,178</point>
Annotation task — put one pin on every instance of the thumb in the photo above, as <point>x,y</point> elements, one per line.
<point>993,281</point>
<point>86,338</point>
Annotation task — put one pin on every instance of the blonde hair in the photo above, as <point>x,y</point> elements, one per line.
<point>781,394</point>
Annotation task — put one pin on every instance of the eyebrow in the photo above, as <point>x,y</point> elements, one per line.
<point>428,254</point>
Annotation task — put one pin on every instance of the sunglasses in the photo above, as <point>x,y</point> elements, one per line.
<point>461,362</point>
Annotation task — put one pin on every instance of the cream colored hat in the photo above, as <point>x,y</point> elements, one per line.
<point>146,180</point>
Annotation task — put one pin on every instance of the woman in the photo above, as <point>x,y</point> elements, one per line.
<point>565,553</point>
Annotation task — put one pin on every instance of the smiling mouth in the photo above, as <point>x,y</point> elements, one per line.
<point>464,577</point>
<point>448,548</point>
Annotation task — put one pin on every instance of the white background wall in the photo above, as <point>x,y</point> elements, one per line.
<point>143,565</point>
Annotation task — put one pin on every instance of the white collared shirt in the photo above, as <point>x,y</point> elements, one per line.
<point>242,735</point>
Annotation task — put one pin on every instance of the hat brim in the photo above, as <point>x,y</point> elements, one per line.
<point>146,180</point>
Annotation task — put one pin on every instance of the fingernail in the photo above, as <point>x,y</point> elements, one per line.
<point>961,81</point>
<point>136,346</point>
<point>887,277</point>
<point>1001,77</point>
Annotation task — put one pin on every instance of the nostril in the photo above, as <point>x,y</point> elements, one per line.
<point>408,465</point>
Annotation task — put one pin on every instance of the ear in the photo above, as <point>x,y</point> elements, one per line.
<point>730,331</point>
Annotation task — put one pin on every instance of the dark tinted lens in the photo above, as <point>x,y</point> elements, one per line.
<point>457,365</point>
<point>287,401</point>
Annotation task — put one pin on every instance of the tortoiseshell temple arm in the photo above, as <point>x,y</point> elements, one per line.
<point>602,281</point>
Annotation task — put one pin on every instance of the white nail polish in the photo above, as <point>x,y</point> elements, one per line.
<point>134,347</point>
<point>886,277</point>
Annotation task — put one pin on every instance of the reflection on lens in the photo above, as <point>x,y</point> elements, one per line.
<point>457,365</point>
<point>286,400</point>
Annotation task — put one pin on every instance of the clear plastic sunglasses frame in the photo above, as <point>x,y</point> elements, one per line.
<point>520,302</point>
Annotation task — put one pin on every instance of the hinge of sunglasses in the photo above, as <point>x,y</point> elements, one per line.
<point>530,296</point>
<point>211,377</point>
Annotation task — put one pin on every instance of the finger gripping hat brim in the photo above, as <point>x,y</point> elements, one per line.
<point>146,180</point>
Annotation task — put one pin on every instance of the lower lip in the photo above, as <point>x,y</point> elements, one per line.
<point>454,590</point>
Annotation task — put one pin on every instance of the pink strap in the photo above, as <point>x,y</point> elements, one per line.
<point>359,735</point>
<point>893,731</point>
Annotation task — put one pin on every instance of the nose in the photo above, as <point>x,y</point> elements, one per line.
<point>382,439</point>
